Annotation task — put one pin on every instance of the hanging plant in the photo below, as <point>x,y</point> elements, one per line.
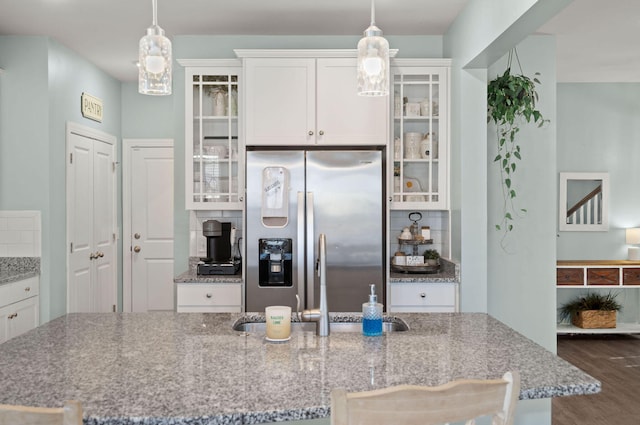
<point>511,101</point>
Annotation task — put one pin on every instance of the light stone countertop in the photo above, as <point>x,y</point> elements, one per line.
<point>191,368</point>
<point>13,269</point>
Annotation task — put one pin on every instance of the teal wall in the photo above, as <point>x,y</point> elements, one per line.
<point>41,90</point>
<point>599,131</point>
<point>521,283</point>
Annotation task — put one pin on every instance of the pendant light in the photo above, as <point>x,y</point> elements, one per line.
<point>373,61</point>
<point>154,66</point>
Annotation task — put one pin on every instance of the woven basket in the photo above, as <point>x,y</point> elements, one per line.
<point>594,319</point>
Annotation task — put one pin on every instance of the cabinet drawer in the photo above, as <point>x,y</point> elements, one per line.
<point>21,290</point>
<point>569,276</point>
<point>631,276</point>
<point>603,276</point>
<point>416,297</point>
<point>209,295</point>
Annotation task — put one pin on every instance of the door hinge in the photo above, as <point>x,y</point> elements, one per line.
<point>71,158</point>
<point>114,237</point>
<point>114,165</point>
<point>114,308</point>
<point>71,248</point>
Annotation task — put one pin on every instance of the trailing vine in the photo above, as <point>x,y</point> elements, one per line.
<point>511,100</point>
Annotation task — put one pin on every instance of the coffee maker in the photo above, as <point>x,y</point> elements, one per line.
<point>220,242</point>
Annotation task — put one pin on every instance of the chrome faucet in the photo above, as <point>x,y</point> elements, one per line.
<point>320,315</point>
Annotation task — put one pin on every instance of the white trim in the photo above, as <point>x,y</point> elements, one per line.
<point>421,62</point>
<point>127,147</point>
<point>301,53</point>
<point>210,62</point>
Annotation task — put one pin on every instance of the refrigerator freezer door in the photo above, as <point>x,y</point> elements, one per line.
<point>259,296</point>
<point>347,206</point>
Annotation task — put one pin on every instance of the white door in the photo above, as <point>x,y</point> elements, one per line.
<point>150,227</point>
<point>91,285</point>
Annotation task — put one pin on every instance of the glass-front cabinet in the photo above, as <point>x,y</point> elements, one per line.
<point>420,145</point>
<point>213,146</point>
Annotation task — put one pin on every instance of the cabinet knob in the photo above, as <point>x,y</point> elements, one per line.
<point>310,133</point>
<point>27,289</point>
<point>321,132</point>
<point>208,295</point>
<point>13,315</point>
<point>423,295</point>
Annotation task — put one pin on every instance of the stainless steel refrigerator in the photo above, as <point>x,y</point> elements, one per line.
<point>295,195</point>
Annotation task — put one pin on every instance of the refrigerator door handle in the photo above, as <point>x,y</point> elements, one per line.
<point>300,249</point>
<point>310,252</point>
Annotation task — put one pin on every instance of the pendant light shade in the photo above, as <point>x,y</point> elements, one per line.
<point>154,60</point>
<point>373,61</point>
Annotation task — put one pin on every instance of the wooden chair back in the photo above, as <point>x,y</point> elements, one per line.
<point>456,401</point>
<point>69,414</point>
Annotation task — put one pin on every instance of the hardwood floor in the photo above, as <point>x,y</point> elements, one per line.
<point>615,361</point>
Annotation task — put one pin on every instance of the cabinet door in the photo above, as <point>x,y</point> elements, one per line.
<point>213,147</point>
<point>23,316</point>
<point>4,324</point>
<point>280,101</point>
<point>420,137</point>
<point>343,117</point>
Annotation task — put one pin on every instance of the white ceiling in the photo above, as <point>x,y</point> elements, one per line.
<point>598,40</point>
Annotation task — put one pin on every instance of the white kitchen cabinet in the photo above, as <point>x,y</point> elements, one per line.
<point>412,297</point>
<point>297,101</point>
<point>213,143</point>
<point>419,149</point>
<point>19,307</point>
<point>195,297</point>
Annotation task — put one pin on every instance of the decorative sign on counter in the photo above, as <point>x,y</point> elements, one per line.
<point>415,260</point>
<point>91,107</point>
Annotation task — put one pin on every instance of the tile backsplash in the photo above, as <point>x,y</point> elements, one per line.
<point>20,234</point>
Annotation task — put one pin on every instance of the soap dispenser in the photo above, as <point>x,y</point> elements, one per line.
<point>372,315</point>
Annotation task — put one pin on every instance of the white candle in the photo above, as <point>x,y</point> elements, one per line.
<point>278,319</point>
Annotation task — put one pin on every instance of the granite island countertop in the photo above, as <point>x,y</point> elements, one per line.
<point>190,368</point>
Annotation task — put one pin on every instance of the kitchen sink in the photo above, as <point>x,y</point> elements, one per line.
<point>396,325</point>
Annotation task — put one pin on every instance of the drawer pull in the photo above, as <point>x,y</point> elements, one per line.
<point>27,289</point>
<point>209,295</point>
<point>423,295</point>
<point>13,315</point>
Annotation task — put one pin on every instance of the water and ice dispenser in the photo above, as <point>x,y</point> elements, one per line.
<point>275,262</point>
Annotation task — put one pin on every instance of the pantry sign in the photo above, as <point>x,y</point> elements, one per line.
<point>91,107</point>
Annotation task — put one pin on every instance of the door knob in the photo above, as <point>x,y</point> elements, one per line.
<point>136,248</point>
<point>100,254</point>
<point>137,235</point>
<point>92,256</point>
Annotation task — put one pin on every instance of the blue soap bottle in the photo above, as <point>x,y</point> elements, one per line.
<point>372,315</point>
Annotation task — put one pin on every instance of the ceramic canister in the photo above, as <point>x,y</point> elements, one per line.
<point>412,145</point>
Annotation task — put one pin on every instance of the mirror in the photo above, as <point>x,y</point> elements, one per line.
<point>584,202</point>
